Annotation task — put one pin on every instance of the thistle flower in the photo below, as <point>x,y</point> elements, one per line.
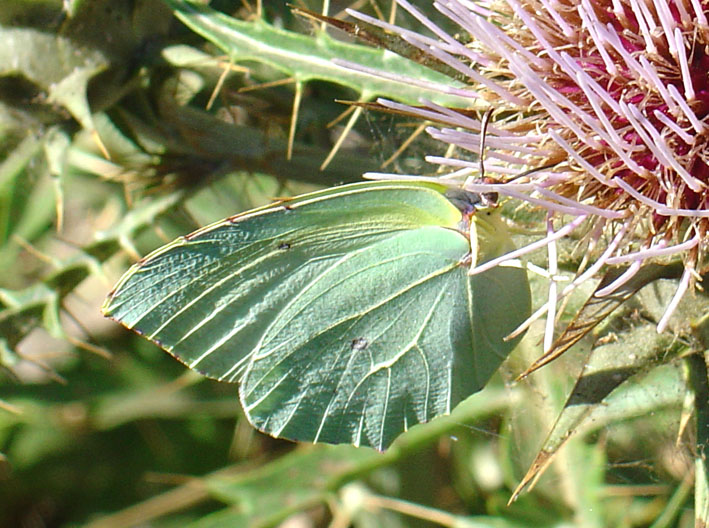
<point>611,96</point>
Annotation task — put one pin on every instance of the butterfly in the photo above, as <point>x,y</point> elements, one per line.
<point>346,315</point>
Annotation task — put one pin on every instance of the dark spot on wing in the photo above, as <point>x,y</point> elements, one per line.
<point>359,344</point>
<point>284,246</point>
<point>141,261</point>
<point>192,235</point>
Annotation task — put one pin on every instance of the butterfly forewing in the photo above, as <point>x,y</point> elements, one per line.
<point>208,298</point>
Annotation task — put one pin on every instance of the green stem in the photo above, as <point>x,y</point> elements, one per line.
<point>699,384</point>
<point>490,401</point>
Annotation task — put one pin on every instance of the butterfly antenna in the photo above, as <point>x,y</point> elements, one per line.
<point>532,171</point>
<point>487,199</point>
<point>483,133</point>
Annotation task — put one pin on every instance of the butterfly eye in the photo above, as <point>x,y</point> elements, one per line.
<point>467,202</point>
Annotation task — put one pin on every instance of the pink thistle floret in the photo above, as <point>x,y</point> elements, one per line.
<point>611,96</point>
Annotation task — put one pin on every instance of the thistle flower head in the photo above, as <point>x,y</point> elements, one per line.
<point>612,96</point>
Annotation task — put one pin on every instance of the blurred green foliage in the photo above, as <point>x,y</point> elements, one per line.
<point>108,150</point>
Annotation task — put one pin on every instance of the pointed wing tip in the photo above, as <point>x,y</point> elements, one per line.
<point>108,309</point>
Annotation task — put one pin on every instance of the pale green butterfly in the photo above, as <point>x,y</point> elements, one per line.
<point>346,315</point>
